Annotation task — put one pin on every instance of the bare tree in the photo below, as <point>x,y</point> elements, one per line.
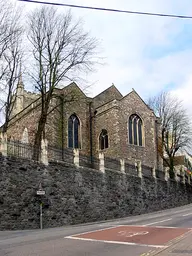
<point>10,57</point>
<point>9,19</point>
<point>176,130</point>
<point>61,49</point>
<point>4,25</point>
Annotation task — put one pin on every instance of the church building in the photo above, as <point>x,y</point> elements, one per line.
<point>122,127</point>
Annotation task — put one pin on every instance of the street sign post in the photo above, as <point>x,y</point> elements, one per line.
<point>41,192</point>
<point>41,216</point>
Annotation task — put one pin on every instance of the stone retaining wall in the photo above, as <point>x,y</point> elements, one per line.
<point>78,195</point>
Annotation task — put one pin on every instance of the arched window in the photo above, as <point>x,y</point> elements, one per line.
<point>73,132</point>
<point>135,130</point>
<point>103,139</point>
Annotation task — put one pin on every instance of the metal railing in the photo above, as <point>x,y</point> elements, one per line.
<point>112,163</point>
<point>19,149</point>
<point>130,169</point>
<point>27,151</point>
<point>58,154</point>
<point>147,171</point>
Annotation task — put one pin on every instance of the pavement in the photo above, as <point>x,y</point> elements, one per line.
<point>164,233</point>
<point>179,248</point>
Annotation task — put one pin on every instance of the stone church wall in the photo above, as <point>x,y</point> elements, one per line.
<point>29,120</point>
<point>81,109</point>
<point>78,195</point>
<point>109,110</point>
<point>113,117</point>
<point>146,153</point>
<point>107,96</point>
<point>107,118</point>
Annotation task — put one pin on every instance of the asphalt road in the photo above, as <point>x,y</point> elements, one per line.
<point>60,242</point>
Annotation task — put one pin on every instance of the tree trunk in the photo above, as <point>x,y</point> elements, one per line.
<point>5,126</point>
<point>38,137</point>
<point>171,167</point>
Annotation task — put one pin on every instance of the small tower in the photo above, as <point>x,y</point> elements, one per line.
<point>18,104</point>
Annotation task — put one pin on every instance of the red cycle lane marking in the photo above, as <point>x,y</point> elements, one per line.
<point>136,235</point>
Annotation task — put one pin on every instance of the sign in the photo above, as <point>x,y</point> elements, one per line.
<point>40,192</point>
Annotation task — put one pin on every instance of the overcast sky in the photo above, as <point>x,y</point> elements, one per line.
<point>146,53</point>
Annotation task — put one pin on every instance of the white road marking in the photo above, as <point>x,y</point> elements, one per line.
<point>131,219</point>
<point>131,234</point>
<point>115,242</point>
<point>156,222</point>
<point>109,224</point>
<point>187,214</point>
<point>96,230</point>
<point>162,214</point>
<point>168,227</point>
<point>184,210</point>
<point>155,215</point>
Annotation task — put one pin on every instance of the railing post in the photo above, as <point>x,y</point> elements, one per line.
<point>175,175</point>
<point>44,155</point>
<point>154,172</point>
<point>76,157</point>
<point>122,163</point>
<point>3,144</point>
<point>167,173</point>
<point>182,172</point>
<point>139,168</point>
<point>101,162</point>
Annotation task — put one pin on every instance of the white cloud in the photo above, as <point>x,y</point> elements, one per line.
<point>127,40</point>
<point>184,93</point>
